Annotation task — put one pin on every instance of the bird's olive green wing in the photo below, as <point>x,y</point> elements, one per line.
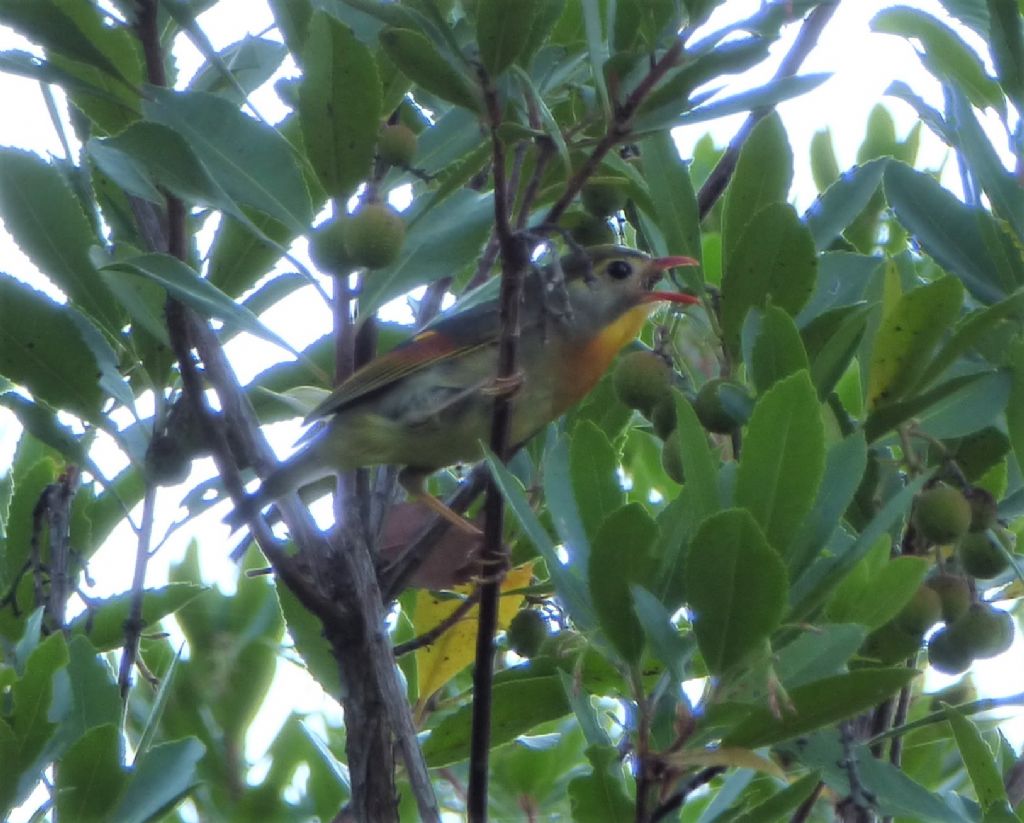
<point>452,337</point>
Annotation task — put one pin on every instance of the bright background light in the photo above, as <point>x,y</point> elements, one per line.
<point>862,65</point>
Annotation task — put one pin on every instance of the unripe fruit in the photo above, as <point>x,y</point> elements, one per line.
<point>327,248</point>
<point>641,379</point>
<point>663,416</point>
<point>588,230</point>
<point>722,406</point>
<point>941,514</point>
<point>890,644</point>
<point>603,196</point>
<point>167,461</point>
<point>527,631</point>
<point>980,555</point>
<point>672,458</point>
<point>985,630</point>
<point>374,235</point>
<point>954,595</point>
<point>396,145</point>
<point>921,612</point>
<point>948,653</point>
<point>983,508</point>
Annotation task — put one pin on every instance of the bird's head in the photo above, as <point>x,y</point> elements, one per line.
<point>617,280</point>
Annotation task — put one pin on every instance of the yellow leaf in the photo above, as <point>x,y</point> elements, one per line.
<point>439,662</point>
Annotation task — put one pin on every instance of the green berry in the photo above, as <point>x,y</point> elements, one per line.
<point>603,196</point>
<point>941,514</point>
<point>327,248</point>
<point>396,145</point>
<point>985,630</point>
<point>983,508</point>
<point>672,459</point>
<point>948,653</point>
<point>890,644</point>
<point>588,230</point>
<point>663,416</point>
<point>641,379</point>
<point>722,406</point>
<point>921,612</point>
<point>527,631</point>
<point>954,595</point>
<point>981,555</point>
<point>374,235</point>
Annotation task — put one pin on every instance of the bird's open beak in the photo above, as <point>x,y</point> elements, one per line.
<point>661,264</point>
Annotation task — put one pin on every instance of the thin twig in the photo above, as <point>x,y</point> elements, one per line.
<point>676,801</point>
<point>618,130</point>
<point>432,636</point>
<point>133,624</point>
<point>514,260</point>
<point>806,40</point>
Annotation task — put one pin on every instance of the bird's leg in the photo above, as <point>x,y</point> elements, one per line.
<point>412,481</point>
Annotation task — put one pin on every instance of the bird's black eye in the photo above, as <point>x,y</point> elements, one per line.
<point>619,269</point>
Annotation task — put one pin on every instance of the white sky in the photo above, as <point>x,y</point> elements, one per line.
<point>862,63</point>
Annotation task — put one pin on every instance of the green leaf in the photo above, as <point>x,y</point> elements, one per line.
<point>621,555</point>
<point>767,95</point>
<point>773,259</point>
<point>763,175</point>
<point>821,651</point>
<point>250,161</point>
<point>561,500</point>
<point>907,336</point>
<point>844,199</point>
<point>90,778</point>
<point>95,700</point>
<point>668,646</point>
<point>160,778</point>
<point>1015,404</point>
<point>516,708</point>
<point>819,704</point>
<point>844,467</point>
<point>339,105</point>
<point>239,68</point>
<point>46,220</point>
<point>986,167</point>
<point>737,588</point>
<point>873,598</point>
<point>832,340</point>
<point>812,587</point>
<point>72,32</point>
<point>103,622</point>
<point>700,465</point>
<point>945,55</point>
<point>568,583</point>
<point>419,60</point>
<point>1006,43</point>
<point>783,802</point>
<point>824,166</point>
<point>594,466</point>
<point>183,283</point>
<point>778,349</point>
<point>981,764</point>
<point>307,633</point>
<point>439,244</point>
<point>25,752</point>
<point>783,459</point>
<point>42,349</point>
<point>239,257</point>
<point>671,190</point>
<point>947,230</point>
<point>41,422</point>
<point>600,797</point>
<point>502,31</point>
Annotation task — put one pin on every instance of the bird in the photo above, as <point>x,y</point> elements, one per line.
<point>428,403</point>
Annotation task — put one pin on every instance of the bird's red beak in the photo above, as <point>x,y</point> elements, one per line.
<point>663,264</point>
